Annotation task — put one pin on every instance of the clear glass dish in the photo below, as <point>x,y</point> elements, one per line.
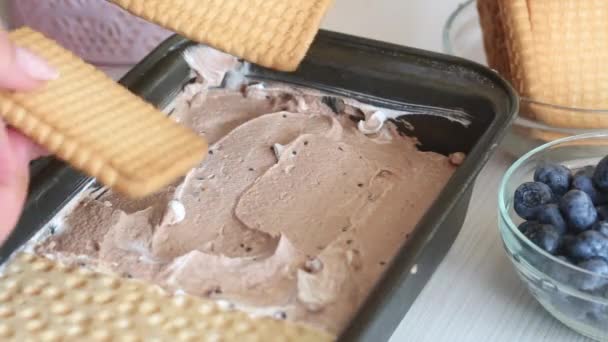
<point>462,37</point>
<point>556,284</point>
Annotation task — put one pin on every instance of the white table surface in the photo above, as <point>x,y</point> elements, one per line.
<point>475,294</point>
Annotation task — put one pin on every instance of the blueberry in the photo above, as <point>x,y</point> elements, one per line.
<point>588,282</point>
<point>586,170</point>
<point>549,214</point>
<point>602,212</point>
<point>564,258</point>
<point>564,244</point>
<point>578,210</point>
<point>589,244</point>
<point>556,176</point>
<point>576,307</point>
<point>527,225</point>
<point>558,271</point>
<point>529,197</point>
<point>601,226</point>
<point>583,182</point>
<point>544,236</point>
<point>600,175</point>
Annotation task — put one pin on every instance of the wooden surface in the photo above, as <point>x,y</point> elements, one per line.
<point>475,295</point>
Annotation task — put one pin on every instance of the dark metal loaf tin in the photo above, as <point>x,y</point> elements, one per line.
<point>373,72</point>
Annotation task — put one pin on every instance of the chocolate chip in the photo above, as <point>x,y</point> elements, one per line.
<point>251,169</point>
<point>348,242</point>
<point>210,151</point>
<point>52,229</point>
<point>285,115</point>
<point>294,152</point>
<point>215,290</point>
<point>306,143</point>
<point>280,315</point>
<point>242,245</point>
<point>360,185</point>
<point>382,263</point>
<point>340,148</point>
<point>248,249</point>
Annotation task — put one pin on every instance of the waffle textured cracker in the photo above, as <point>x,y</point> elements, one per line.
<point>555,53</point>
<point>41,300</point>
<point>98,126</point>
<point>272,33</point>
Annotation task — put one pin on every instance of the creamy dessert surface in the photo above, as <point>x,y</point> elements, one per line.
<point>295,213</point>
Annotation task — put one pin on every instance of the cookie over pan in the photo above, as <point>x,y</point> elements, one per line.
<point>272,33</point>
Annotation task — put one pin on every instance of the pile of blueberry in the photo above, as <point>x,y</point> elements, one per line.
<point>566,215</point>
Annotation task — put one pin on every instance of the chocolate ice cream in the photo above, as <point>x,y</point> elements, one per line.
<point>300,206</point>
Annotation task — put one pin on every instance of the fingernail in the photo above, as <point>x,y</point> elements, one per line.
<point>36,67</point>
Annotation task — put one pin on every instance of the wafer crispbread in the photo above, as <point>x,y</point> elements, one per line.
<point>272,33</point>
<point>98,126</point>
<point>43,300</point>
<point>556,52</point>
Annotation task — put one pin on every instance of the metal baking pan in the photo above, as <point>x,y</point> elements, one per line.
<point>373,72</point>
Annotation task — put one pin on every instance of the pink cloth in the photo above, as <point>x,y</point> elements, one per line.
<point>96,30</point>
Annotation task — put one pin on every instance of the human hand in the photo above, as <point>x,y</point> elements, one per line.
<point>19,70</point>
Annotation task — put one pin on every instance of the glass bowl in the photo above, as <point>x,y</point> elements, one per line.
<point>462,34</point>
<point>462,37</point>
<point>576,297</point>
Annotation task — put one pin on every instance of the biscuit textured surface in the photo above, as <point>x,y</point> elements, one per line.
<point>41,300</point>
<point>552,52</point>
<point>98,126</point>
<point>273,33</point>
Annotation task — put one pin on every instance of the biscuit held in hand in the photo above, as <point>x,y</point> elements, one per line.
<point>98,126</point>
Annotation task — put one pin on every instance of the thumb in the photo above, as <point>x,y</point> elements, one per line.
<point>20,69</point>
<point>14,161</point>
